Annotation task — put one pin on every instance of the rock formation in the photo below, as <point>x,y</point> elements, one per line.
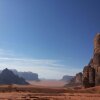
<point>88,76</point>
<point>67,78</point>
<point>30,76</point>
<point>91,72</point>
<point>78,78</point>
<point>26,75</point>
<point>97,43</point>
<point>96,59</point>
<point>8,77</point>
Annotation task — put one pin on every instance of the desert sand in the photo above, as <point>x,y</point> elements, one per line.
<point>48,83</point>
<point>31,92</point>
<point>42,96</point>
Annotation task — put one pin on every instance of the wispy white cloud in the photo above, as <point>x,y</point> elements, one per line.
<point>46,68</point>
<point>4,53</point>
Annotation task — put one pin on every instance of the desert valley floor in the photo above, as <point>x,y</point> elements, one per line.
<point>48,92</point>
<point>48,96</point>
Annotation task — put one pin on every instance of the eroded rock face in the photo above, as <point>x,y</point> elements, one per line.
<point>91,73</point>
<point>91,62</point>
<point>92,76</point>
<point>97,43</point>
<point>78,78</point>
<point>96,58</point>
<point>96,61</point>
<point>88,76</point>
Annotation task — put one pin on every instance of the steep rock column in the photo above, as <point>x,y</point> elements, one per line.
<point>78,78</point>
<point>96,58</point>
<point>91,77</point>
<point>86,76</point>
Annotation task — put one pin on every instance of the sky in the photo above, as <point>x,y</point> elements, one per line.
<point>49,37</point>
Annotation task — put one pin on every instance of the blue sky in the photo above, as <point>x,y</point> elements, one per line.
<point>49,37</point>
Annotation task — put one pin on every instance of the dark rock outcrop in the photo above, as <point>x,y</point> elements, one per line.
<point>8,77</point>
<point>78,78</point>
<point>30,76</point>
<point>88,76</point>
<point>96,58</point>
<point>91,73</point>
<point>97,43</point>
<point>67,78</point>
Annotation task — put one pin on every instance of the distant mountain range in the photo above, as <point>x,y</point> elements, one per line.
<point>27,75</point>
<point>67,78</point>
<point>8,77</point>
<point>30,76</point>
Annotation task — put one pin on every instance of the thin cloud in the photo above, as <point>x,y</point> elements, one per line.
<point>46,68</point>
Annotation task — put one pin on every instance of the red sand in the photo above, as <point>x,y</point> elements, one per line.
<point>48,83</point>
<point>30,92</point>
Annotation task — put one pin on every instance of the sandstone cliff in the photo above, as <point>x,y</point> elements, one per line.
<point>75,81</point>
<point>78,78</point>
<point>88,76</point>
<point>91,72</point>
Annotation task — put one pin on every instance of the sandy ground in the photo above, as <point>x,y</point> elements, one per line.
<point>48,83</point>
<point>30,92</point>
<point>42,96</point>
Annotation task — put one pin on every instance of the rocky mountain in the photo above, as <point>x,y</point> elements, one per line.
<point>67,78</point>
<point>27,75</point>
<point>91,72</point>
<point>30,76</point>
<point>76,80</point>
<point>8,77</point>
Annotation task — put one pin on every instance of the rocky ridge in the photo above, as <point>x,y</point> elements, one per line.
<point>29,76</point>
<point>8,77</point>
